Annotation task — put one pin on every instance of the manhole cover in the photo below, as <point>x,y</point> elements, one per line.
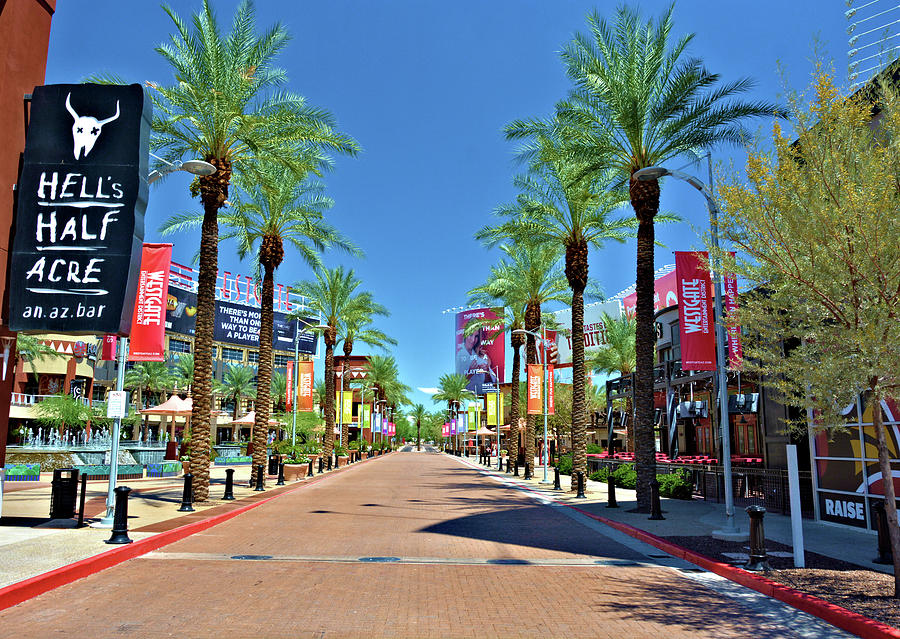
<point>252,557</point>
<point>379,560</point>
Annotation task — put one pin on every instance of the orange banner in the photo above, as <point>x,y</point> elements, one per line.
<point>305,386</point>
<point>535,388</point>
<point>550,389</point>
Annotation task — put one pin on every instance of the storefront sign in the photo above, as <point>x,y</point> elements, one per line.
<point>696,323</point>
<point>148,330</point>
<point>843,509</point>
<point>80,209</point>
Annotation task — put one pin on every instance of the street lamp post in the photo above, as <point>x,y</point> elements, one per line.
<point>656,172</point>
<point>545,379</point>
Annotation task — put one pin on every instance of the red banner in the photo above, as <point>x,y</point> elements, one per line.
<point>305,386</point>
<point>550,390</point>
<point>665,294</point>
<point>108,352</point>
<point>733,333</point>
<point>289,383</point>
<point>535,389</point>
<point>148,321</point>
<point>696,324</point>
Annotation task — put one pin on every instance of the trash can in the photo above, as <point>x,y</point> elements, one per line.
<point>64,493</point>
<point>273,464</point>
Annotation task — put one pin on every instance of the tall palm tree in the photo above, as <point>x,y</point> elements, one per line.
<point>279,391</point>
<point>333,295</point>
<point>272,209</point>
<point>148,378</point>
<point>420,415</point>
<point>183,371</point>
<point>227,106</point>
<point>561,205</point>
<point>529,278</point>
<point>639,101</point>
<point>237,383</point>
<point>452,389</point>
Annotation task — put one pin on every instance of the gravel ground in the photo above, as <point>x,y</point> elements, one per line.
<point>866,592</point>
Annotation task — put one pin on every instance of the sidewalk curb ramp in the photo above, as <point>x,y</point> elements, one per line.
<point>836,615</point>
<point>26,589</point>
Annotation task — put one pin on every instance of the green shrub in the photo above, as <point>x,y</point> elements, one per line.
<point>595,449</point>
<point>599,475</point>
<point>624,476</point>
<point>675,485</point>
<point>565,464</point>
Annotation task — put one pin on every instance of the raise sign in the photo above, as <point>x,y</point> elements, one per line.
<point>80,209</point>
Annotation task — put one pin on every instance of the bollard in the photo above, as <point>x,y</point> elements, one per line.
<point>187,497</point>
<point>280,481</point>
<point>556,484</point>
<point>328,467</point>
<point>527,470</point>
<point>611,493</point>
<point>321,465</point>
<point>580,494</point>
<point>516,467</point>
<point>655,507</point>
<point>120,519</point>
<point>758,560</point>
<point>885,553</point>
<point>260,478</point>
<point>309,473</point>
<point>229,484</point>
<point>467,452</point>
<point>81,507</point>
<point>337,462</point>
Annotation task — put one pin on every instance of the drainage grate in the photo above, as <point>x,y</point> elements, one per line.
<point>252,557</point>
<point>509,562</point>
<point>379,560</point>
<point>614,562</point>
<point>660,556</point>
<point>691,570</point>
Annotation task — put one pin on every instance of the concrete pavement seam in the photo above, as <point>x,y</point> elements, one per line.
<point>835,615</point>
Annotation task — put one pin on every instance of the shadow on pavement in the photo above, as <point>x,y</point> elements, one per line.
<point>535,527</point>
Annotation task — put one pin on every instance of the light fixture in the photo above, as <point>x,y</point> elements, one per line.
<point>194,167</point>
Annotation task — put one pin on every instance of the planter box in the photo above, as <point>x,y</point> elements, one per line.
<point>243,460</point>
<point>295,472</point>
<point>23,472</point>
<point>164,469</point>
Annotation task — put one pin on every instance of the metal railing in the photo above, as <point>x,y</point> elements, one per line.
<point>28,399</point>
<point>767,487</point>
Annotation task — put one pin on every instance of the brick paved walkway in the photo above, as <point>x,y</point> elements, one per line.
<point>412,545</point>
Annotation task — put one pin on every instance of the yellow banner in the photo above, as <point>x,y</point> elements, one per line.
<point>473,418</point>
<point>367,416</point>
<point>345,410</point>
<point>493,409</point>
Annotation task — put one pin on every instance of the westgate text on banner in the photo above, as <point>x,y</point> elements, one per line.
<point>148,320</point>
<point>480,356</point>
<point>305,387</point>
<point>550,390</point>
<point>696,323</point>
<point>733,333</point>
<point>289,383</point>
<point>535,389</point>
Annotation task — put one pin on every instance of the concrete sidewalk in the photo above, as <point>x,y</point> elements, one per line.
<point>32,544</point>
<point>697,517</point>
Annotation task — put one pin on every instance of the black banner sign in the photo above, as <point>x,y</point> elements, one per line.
<point>236,323</point>
<point>80,209</point>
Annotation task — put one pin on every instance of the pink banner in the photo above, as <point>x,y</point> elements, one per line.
<point>735,350</point>
<point>550,390</point>
<point>696,323</point>
<point>289,393</point>
<point>148,321</point>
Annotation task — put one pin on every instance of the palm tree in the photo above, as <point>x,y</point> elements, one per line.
<point>420,415</point>
<point>147,378</point>
<point>226,106</point>
<point>30,349</point>
<point>560,205</point>
<point>237,383</point>
<point>530,278</point>
<point>279,391</point>
<point>333,295</point>
<point>638,101</point>
<point>453,391</point>
<point>278,208</point>
<point>384,376</point>
<point>184,370</point>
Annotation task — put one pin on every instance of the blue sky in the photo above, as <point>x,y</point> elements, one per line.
<point>426,87</point>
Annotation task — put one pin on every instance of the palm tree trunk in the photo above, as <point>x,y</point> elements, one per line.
<point>328,439</point>
<point>213,193</point>
<point>532,323</point>
<point>645,200</point>
<point>577,274</point>
<point>264,372</point>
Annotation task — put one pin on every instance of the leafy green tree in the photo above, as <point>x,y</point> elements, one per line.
<point>273,208</point>
<point>237,383</point>
<point>333,294</point>
<point>61,411</point>
<point>639,101</point>
<point>815,227</point>
<point>563,205</point>
<point>227,105</point>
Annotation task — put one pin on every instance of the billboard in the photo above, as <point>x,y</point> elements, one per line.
<point>479,357</point>
<point>81,197</point>
<point>236,324</point>
<point>594,330</point>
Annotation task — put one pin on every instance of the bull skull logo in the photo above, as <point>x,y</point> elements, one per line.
<point>86,129</point>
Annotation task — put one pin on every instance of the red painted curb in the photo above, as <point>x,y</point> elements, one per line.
<point>33,586</point>
<point>838,616</point>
